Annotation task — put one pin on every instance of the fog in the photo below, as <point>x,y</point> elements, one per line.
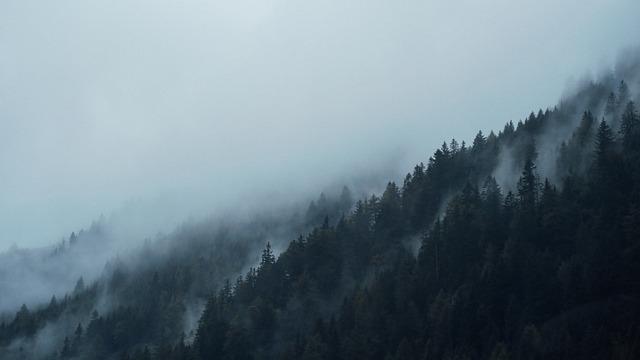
<point>165,110</point>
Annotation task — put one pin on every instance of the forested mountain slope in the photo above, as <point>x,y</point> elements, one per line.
<point>524,244</point>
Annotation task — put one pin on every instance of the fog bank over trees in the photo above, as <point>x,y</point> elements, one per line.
<point>182,107</point>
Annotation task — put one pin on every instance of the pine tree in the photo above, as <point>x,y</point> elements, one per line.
<point>73,238</point>
<point>211,332</point>
<point>610,107</point>
<point>479,141</point>
<point>623,94</point>
<point>492,204</point>
<point>77,338</point>
<point>508,130</point>
<point>606,166</point>
<point>583,132</point>
<point>604,143</point>
<point>268,258</point>
<point>226,293</point>
<point>630,127</point>
<point>79,286</point>
<point>453,145</point>
<point>79,330</point>
<point>528,185</point>
<point>53,305</point>
<point>66,352</point>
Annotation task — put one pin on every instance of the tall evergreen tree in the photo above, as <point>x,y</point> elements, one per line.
<point>604,145</point>
<point>211,332</point>
<point>610,107</point>
<point>623,94</point>
<point>630,127</point>
<point>528,185</point>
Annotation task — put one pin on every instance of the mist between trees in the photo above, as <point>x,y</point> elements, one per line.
<point>521,244</point>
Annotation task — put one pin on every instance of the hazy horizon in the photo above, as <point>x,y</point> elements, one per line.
<point>175,110</point>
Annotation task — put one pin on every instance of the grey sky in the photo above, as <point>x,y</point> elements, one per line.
<point>182,106</point>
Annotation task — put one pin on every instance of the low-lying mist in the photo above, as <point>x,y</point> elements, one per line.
<point>146,141</point>
<point>33,275</point>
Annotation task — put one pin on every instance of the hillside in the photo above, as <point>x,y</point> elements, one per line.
<point>523,244</point>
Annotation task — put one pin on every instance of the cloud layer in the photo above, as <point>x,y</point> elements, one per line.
<point>182,107</point>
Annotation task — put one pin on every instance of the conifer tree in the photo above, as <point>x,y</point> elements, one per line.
<point>630,127</point>
<point>623,94</point>
<point>604,144</point>
<point>610,107</point>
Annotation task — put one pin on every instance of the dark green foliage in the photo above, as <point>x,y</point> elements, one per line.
<point>212,331</point>
<point>529,275</point>
<point>630,131</point>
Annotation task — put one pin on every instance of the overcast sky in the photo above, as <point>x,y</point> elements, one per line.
<point>182,106</point>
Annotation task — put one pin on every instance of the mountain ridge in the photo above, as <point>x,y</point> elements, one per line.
<point>490,228</point>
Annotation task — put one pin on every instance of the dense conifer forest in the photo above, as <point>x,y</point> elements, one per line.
<point>523,244</point>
